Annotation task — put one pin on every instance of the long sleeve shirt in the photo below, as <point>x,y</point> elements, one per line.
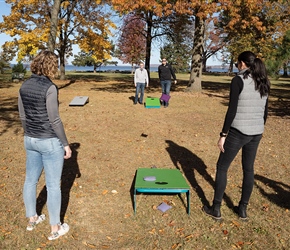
<point>141,76</point>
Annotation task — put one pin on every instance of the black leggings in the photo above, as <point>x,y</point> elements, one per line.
<point>233,143</point>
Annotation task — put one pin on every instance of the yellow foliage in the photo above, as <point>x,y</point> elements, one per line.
<point>29,23</point>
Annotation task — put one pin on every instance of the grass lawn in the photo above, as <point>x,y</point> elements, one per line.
<point>108,142</point>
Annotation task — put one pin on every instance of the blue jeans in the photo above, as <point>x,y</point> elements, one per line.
<point>165,86</point>
<point>233,143</point>
<point>139,88</point>
<point>47,154</point>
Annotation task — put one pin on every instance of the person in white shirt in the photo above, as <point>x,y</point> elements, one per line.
<point>140,80</point>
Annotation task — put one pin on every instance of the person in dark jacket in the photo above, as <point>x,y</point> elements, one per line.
<point>165,73</point>
<point>243,128</point>
<point>45,142</point>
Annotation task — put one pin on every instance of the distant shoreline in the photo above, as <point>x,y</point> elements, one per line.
<point>128,68</point>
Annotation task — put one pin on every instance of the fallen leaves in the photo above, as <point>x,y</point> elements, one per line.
<point>176,245</point>
<point>105,192</point>
<point>225,232</point>
<point>89,244</point>
<point>236,224</point>
<point>266,207</point>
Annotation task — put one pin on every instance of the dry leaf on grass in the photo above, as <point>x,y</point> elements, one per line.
<point>235,223</point>
<point>176,245</point>
<point>265,207</point>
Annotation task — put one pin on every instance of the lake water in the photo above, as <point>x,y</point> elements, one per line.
<point>125,68</point>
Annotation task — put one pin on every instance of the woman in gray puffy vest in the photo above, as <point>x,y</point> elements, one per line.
<point>243,128</point>
<point>45,141</point>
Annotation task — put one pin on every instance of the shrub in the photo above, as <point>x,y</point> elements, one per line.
<point>18,71</point>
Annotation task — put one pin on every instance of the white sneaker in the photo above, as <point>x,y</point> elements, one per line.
<point>31,225</point>
<point>64,228</point>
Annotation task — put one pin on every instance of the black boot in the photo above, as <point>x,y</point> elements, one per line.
<point>213,211</point>
<point>242,211</point>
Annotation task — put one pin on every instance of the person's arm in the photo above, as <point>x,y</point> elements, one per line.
<point>172,73</point>
<point>21,112</point>
<point>54,119</point>
<point>266,111</point>
<point>53,114</point>
<point>235,90</point>
<point>159,71</point>
<point>135,77</point>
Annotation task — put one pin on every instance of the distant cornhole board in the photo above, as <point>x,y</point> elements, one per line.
<point>79,101</point>
<point>152,102</point>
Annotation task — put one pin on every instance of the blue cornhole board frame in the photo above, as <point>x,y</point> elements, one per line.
<point>79,101</point>
<point>152,102</point>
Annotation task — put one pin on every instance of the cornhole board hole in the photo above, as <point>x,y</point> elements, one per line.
<point>160,181</point>
<point>79,101</point>
<point>152,102</point>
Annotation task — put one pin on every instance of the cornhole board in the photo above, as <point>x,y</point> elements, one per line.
<point>79,101</point>
<point>152,102</point>
<point>164,181</point>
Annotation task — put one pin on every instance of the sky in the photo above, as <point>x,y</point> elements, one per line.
<point>155,55</point>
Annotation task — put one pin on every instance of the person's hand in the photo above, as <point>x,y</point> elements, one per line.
<point>221,143</point>
<point>147,86</point>
<point>67,152</point>
<point>175,81</point>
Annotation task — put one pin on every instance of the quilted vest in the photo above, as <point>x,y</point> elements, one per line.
<point>33,94</point>
<point>249,118</point>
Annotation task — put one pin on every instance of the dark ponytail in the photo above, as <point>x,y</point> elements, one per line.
<point>257,70</point>
<point>259,75</point>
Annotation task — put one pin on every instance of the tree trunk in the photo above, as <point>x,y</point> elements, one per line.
<point>132,68</point>
<point>231,67</point>
<point>204,59</point>
<point>285,70</point>
<point>148,42</point>
<point>61,53</point>
<point>53,25</point>
<point>196,61</point>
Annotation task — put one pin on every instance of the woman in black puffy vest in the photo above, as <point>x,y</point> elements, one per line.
<point>45,141</point>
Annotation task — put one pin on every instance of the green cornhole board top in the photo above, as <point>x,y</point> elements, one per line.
<point>165,179</point>
<point>152,102</point>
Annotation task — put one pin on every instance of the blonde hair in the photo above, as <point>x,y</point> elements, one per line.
<point>45,63</point>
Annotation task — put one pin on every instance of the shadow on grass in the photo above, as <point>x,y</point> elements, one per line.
<point>279,96</point>
<point>133,198</point>
<point>70,172</point>
<point>9,114</point>
<point>123,83</point>
<point>191,165</point>
<point>279,193</point>
<point>280,102</point>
